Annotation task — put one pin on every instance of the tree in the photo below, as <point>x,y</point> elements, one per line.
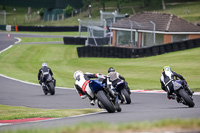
<point>156,4</point>
<point>86,3</point>
<point>163,4</point>
<point>41,12</point>
<point>68,10</point>
<point>103,4</point>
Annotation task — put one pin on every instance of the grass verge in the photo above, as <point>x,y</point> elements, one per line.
<point>173,125</point>
<point>52,33</point>
<point>29,39</point>
<point>12,112</point>
<point>23,62</point>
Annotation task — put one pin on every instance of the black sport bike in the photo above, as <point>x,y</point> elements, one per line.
<point>49,86</point>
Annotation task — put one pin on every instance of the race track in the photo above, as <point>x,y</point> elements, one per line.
<point>144,106</point>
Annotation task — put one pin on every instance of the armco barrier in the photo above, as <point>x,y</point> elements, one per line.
<point>121,52</point>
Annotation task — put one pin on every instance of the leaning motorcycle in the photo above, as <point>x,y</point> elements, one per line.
<point>105,99</point>
<point>124,96</point>
<point>183,94</point>
<point>49,86</point>
<point>121,88</point>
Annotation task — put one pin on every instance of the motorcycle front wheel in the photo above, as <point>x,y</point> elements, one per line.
<point>188,100</point>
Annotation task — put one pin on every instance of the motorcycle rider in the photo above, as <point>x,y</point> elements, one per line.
<point>166,80</point>
<point>81,83</point>
<point>43,73</point>
<point>115,78</point>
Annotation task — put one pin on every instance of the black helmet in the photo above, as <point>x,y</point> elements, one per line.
<point>111,69</point>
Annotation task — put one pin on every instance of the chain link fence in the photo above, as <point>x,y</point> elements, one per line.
<point>95,31</point>
<point>3,17</point>
<point>142,34</point>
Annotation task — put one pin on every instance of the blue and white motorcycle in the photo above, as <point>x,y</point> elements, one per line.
<point>183,93</point>
<point>105,98</point>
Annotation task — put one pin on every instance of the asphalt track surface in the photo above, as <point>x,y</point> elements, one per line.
<point>144,106</point>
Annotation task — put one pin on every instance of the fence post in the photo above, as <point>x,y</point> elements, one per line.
<point>154,28</point>
<point>131,32</point>
<point>79,28</point>
<point>104,27</point>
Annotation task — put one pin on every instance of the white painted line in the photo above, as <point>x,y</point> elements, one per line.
<point>19,40</point>
<point>156,91</point>
<point>11,45</point>
<point>76,116</point>
<point>3,124</point>
<point>26,82</point>
<point>5,49</point>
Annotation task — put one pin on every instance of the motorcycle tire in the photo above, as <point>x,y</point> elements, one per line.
<point>126,96</point>
<point>105,102</point>
<point>45,92</point>
<point>51,88</point>
<point>188,100</point>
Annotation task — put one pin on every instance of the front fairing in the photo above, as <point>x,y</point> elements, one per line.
<point>95,86</point>
<point>177,84</point>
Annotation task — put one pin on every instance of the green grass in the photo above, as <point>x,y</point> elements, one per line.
<point>24,61</point>
<point>186,10</point>
<point>54,33</point>
<point>175,125</point>
<point>28,39</point>
<point>12,112</point>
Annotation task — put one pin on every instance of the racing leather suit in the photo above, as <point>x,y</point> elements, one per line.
<point>115,77</point>
<point>166,81</point>
<point>43,73</point>
<point>82,82</point>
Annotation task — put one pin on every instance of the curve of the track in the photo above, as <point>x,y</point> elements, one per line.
<point>144,107</point>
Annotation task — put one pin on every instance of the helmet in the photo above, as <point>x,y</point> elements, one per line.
<point>111,69</point>
<point>166,68</point>
<point>44,64</point>
<point>77,73</point>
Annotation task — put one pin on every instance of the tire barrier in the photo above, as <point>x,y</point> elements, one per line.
<point>121,52</point>
<point>99,41</point>
<point>106,52</point>
<point>74,40</point>
<point>49,28</point>
<point>81,40</point>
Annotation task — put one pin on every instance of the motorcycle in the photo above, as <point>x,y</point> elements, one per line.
<point>182,93</point>
<point>105,99</point>
<point>48,86</point>
<point>121,88</point>
<point>124,96</point>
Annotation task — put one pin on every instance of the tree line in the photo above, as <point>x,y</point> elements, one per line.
<point>157,4</point>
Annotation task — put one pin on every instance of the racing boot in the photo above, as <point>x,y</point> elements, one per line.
<point>170,96</point>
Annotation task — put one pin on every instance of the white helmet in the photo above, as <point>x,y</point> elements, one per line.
<point>77,73</point>
<point>44,64</point>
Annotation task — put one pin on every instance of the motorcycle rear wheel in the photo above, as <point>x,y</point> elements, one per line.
<point>188,100</point>
<point>51,88</point>
<point>126,96</point>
